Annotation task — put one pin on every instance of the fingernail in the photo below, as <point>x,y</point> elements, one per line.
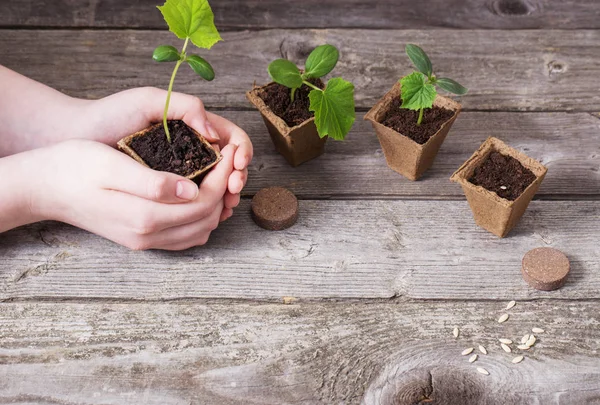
<point>211,131</point>
<point>186,190</point>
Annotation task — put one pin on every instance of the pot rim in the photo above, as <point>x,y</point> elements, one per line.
<point>492,144</point>
<point>440,101</point>
<point>123,145</point>
<point>278,122</point>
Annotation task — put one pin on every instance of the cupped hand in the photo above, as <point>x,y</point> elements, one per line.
<point>95,187</point>
<point>121,114</point>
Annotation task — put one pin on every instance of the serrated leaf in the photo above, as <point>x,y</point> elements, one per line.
<point>284,72</point>
<point>165,53</point>
<point>420,59</point>
<point>416,93</point>
<point>201,67</point>
<point>334,108</point>
<point>191,19</point>
<point>321,61</point>
<point>452,86</point>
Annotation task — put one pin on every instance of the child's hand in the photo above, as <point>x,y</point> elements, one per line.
<point>97,188</point>
<point>124,113</point>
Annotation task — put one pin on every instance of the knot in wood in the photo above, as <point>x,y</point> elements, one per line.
<point>555,67</point>
<point>513,7</point>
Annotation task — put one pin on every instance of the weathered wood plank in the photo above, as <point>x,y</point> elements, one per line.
<point>388,353</point>
<point>505,70</point>
<point>568,144</point>
<point>338,249</point>
<point>256,14</point>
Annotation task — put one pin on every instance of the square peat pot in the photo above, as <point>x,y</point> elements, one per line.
<point>197,176</point>
<point>492,212</point>
<point>402,154</point>
<point>297,144</point>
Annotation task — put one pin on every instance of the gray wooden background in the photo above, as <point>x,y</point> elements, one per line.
<point>357,302</point>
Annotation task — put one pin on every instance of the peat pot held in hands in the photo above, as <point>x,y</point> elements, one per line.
<point>188,154</point>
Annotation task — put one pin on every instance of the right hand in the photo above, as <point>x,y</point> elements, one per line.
<point>94,187</point>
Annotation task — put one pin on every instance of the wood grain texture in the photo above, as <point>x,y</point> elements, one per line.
<point>259,14</point>
<point>337,249</point>
<point>546,70</point>
<point>335,353</point>
<point>568,144</point>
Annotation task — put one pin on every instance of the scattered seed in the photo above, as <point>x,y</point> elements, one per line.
<point>537,330</point>
<point>505,348</point>
<point>531,341</point>
<point>473,358</point>
<point>482,349</point>
<point>467,351</point>
<point>455,332</point>
<point>523,347</point>
<point>482,370</point>
<point>506,341</point>
<point>518,359</point>
<point>503,187</point>
<point>503,318</point>
<point>524,339</point>
<point>510,305</point>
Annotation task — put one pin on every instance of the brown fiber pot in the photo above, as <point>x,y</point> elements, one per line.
<point>491,212</point>
<point>297,144</point>
<point>402,154</point>
<point>197,176</point>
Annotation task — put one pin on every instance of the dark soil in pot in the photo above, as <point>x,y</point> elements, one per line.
<point>277,98</point>
<point>185,154</point>
<point>503,175</point>
<point>405,121</point>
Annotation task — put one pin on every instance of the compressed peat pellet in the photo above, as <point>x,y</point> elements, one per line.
<point>275,208</point>
<point>545,269</point>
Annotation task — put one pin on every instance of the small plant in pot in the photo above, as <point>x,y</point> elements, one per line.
<point>172,145</point>
<point>412,119</point>
<point>499,183</point>
<point>300,110</point>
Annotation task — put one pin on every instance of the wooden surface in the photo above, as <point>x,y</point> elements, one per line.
<point>316,353</point>
<point>260,14</point>
<point>546,70</point>
<point>378,270</point>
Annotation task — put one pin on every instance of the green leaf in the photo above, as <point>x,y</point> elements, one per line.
<point>165,53</point>
<point>321,61</point>
<point>286,73</point>
<point>191,19</point>
<point>201,67</point>
<point>416,92</point>
<point>420,59</point>
<point>334,108</point>
<point>451,86</point>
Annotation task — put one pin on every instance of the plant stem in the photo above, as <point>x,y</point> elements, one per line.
<point>309,84</point>
<point>420,117</point>
<point>179,62</point>
<point>293,93</point>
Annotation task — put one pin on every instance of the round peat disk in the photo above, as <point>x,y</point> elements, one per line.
<point>545,269</point>
<point>275,208</point>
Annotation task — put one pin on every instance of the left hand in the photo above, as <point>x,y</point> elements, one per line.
<point>114,117</point>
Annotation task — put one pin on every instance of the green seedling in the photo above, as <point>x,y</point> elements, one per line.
<point>333,106</point>
<point>190,20</point>
<point>419,88</point>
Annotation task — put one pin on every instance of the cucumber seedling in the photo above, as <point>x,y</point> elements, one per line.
<point>189,20</point>
<point>418,89</point>
<point>334,105</point>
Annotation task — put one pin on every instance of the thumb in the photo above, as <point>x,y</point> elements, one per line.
<point>215,182</point>
<point>128,176</point>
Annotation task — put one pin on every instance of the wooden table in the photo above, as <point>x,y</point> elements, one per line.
<point>356,302</point>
